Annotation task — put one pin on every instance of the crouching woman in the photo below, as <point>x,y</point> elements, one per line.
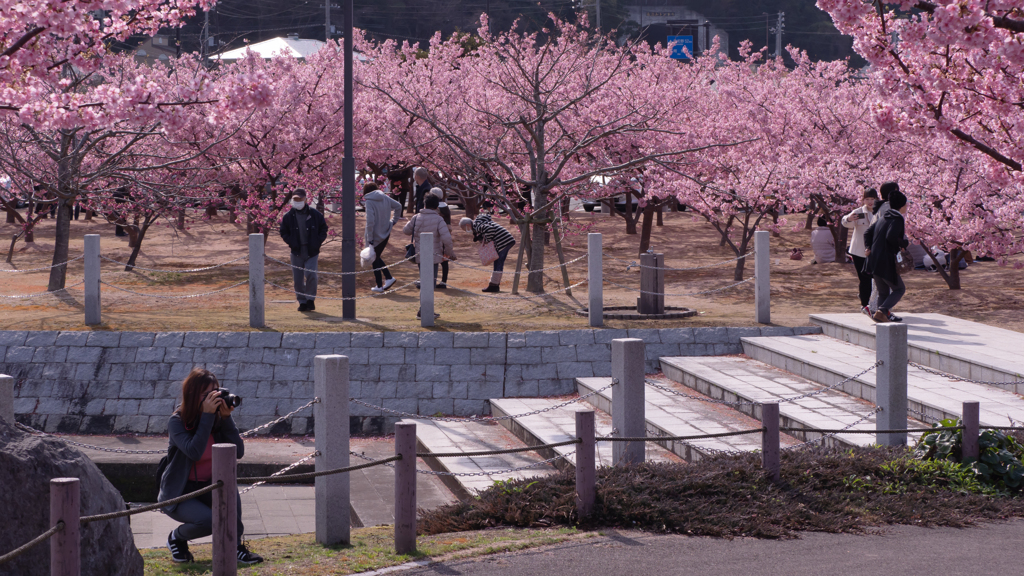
<point>200,421</point>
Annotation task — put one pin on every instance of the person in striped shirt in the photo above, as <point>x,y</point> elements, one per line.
<point>486,230</point>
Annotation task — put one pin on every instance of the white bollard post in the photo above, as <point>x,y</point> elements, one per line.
<point>257,304</point>
<point>425,256</point>
<point>331,430</point>
<point>891,382</point>
<point>628,402</point>
<point>7,398</point>
<point>65,545</point>
<point>595,279</point>
<point>92,280</point>
<point>225,510</point>
<point>762,278</point>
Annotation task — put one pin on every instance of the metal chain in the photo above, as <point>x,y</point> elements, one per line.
<point>833,386</point>
<point>22,296</point>
<point>556,266</point>
<point>316,297</point>
<point>924,417</point>
<point>284,470</point>
<point>633,264</point>
<point>496,452</point>
<point>185,297</point>
<point>960,378</point>
<point>273,423</point>
<point>496,472</point>
<point>483,418</point>
<point>13,271</point>
<point>700,398</point>
<point>31,430</point>
<point>519,296</point>
<point>189,271</point>
<point>338,273</point>
<point>833,434</point>
<point>311,475</point>
<point>712,291</point>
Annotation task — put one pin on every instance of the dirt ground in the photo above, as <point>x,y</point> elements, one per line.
<point>993,295</point>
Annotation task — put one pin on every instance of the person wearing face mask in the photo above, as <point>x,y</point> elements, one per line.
<point>304,230</point>
<point>884,240</point>
<point>859,220</point>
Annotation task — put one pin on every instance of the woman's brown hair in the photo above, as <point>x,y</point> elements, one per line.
<point>192,394</point>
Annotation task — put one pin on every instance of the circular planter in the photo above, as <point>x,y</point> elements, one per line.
<point>630,313</point>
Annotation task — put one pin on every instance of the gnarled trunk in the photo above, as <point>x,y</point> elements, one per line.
<point>62,237</point>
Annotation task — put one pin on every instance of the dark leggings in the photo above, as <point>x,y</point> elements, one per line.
<point>889,293</point>
<point>864,288</point>
<point>444,272</point>
<point>499,264</point>
<point>196,515</point>
<point>379,263</point>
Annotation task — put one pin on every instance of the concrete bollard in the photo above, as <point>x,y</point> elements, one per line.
<point>762,278</point>
<point>891,382</point>
<point>257,303</point>
<point>628,402</point>
<point>971,418</point>
<point>595,280</point>
<point>586,470</point>
<point>770,452</point>
<point>92,280</point>
<point>652,284</point>
<point>225,510</point>
<point>65,504</point>
<point>425,256</point>
<point>331,430</point>
<point>405,488</point>
<point>7,398</point>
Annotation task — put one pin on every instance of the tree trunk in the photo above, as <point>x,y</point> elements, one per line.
<point>955,256</point>
<point>810,220</point>
<point>133,235</point>
<point>725,232</point>
<point>645,235</point>
<point>10,251</point>
<point>561,257</point>
<point>661,219</point>
<point>10,216</point>
<point>211,211</point>
<point>138,237</point>
<point>89,215</point>
<point>62,236</point>
<point>630,224</point>
<point>741,263</point>
<point>179,224</point>
<point>535,281</point>
<point>524,235</point>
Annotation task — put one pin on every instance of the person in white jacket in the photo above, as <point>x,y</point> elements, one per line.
<point>859,220</point>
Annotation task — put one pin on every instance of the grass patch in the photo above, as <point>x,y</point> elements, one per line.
<point>371,548</point>
<point>726,496</point>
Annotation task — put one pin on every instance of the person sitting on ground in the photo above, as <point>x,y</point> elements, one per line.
<point>885,238</point>
<point>485,230</point>
<point>858,221</point>
<point>304,230</point>
<point>379,223</point>
<point>823,243</point>
<point>200,421</point>
<point>429,220</point>
<point>446,213</point>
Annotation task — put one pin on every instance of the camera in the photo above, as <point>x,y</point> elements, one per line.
<point>229,398</point>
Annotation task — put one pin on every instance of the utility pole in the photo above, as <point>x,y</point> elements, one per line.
<point>348,182</point>
<point>204,38</point>
<point>327,20</point>
<point>598,4</point>
<point>778,34</point>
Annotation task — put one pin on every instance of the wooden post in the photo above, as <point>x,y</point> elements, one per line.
<point>971,417</point>
<point>595,280</point>
<point>7,398</point>
<point>585,463</point>
<point>405,488</point>
<point>92,280</point>
<point>65,504</point>
<point>770,439</point>
<point>257,306</point>
<point>628,402</point>
<point>225,510</point>
<point>762,278</point>
<point>331,429</point>
<point>425,256</point>
<point>891,382</point>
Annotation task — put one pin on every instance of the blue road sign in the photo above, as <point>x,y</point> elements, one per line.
<point>677,44</point>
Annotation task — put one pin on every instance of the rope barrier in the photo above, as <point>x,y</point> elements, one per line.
<point>316,297</point>
<point>184,297</point>
<point>496,472</point>
<point>496,452</point>
<point>519,296</point>
<point>273,423</point>
<point>677,438</point>
<point>338,273</point>
<point>13,271</point>
<point>555,267</point>
<point>187,271</point>
<point>147,508</point>
<point>712,291</point>
<point>311,475</point>
<point>23,296</point>
<point>31,543</point>
<point>962,379</point>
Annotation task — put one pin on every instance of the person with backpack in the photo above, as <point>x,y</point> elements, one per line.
<point>201,420</point>
<point>884,240</point>
<point>304,230</point>
<point>485,230</point>
<point>430,220</point>
<point>446,213</point>
<point>858,221</point>
<point>379,223</point>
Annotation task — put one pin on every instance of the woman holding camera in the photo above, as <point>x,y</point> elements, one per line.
<point>201,420</point>
<point>859,221</point>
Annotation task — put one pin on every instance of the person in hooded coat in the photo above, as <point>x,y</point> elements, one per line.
<point>884,240</point>
<point>379,207</point>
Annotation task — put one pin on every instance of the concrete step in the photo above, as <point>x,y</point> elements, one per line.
<point>960,347</point>
<point>438,437</point>
<point>560,425</point>
<point>738,379</point>
<point>827,361</point>
<point>670,415</point>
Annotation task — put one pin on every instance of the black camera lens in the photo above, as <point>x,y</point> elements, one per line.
<point>229,398</point>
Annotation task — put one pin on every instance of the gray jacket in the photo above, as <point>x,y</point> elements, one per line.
<point>379,207</point>
<point>190,446</point>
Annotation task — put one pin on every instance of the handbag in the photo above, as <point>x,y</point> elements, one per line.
<point>904,261</point>
<point>410,248</point>
<point>796,254</point>
<point>488,253</point>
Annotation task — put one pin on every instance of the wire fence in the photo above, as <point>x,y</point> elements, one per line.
<point>175,297</point>
<point>520,296</point>
<point>555,267</point>
<point>48,292</point>
<point>174,270</point>
<point>324,272</point>
<point>700,293</point>
<point>319,297</point>
<point>46,268</point>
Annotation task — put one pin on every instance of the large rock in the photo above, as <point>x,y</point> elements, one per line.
<point>27,463</point>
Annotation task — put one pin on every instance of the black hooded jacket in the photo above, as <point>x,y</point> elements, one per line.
<point>316,231</point>
<point>885,238</point>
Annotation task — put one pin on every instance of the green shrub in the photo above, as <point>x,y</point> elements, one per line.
<point>999,456</point>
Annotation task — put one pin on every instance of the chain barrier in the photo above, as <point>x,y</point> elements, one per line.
<point>633,264</point>
<point>699,398</point>
<point>281,472</point>
<point>496,472</point>
<point>184,297</point>
<point>316,297</point>
<point>677,438</point>
<point>23,296</point>
<point>924,417</point>
<point>495,452</point>
<point>555,267</point>
<point>519,296</point>
<point>149,507</point>
<point>35,432</point>
<point>338,273</point>
<point>702,292</point>
<point>483,418</point>
<point>962,379</point>
<point>27,270</point>
<point>310,475</point>
<point>833,434</point>
<point>31,543</point>
<point>272,423</point>
<point>833,386</point>
<point>188,271</point>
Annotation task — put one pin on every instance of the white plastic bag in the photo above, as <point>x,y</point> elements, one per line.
<point>367,256</point>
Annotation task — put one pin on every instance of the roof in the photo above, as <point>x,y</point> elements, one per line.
<point>287,46</point>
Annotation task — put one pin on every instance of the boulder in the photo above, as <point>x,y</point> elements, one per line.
<point>27,463</point>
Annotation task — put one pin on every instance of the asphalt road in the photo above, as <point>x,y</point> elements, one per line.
<point>897,551</point>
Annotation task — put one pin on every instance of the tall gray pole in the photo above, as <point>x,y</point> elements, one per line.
<point>327,20</point>
<point>348,184</point>
<point>628,402</point>
<point>92,280</point>
<point>762,278</point>
<point>598,4</point>
<point>331,430</point>
<point>595,279</point>
<point>257,303</point>
<point>778,34</point>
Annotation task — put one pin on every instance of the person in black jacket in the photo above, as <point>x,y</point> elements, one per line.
<point>421,177</point>
<point>304,230</point>
<point>884,240</point>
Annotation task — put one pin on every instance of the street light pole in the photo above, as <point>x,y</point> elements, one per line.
<point>327,20</point>
<point>348,184</point>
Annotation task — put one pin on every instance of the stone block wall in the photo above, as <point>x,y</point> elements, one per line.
<point>128,382</point>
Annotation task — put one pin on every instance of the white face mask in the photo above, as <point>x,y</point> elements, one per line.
<point>298,204</point>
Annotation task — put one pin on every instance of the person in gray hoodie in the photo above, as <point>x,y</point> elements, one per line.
<point>379,223</point>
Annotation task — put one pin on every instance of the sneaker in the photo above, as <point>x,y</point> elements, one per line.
<point>436,315</point>
<point>377,289</point>
<point>247,557</point>
<point>310,306</point>
<point>304,307</point>
<point>493,288</point>
<point>894,318</point>
<point>867,311</point>
<point>441,286</point>
<point>388,284</point>
<point>880,317</point>
<point>179,549</point>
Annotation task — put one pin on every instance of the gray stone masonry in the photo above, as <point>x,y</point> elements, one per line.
<point>127,382</point>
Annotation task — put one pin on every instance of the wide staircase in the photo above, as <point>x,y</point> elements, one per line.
<point>822,382</point>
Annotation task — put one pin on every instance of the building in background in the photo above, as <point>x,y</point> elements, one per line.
<point>656,23</point>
